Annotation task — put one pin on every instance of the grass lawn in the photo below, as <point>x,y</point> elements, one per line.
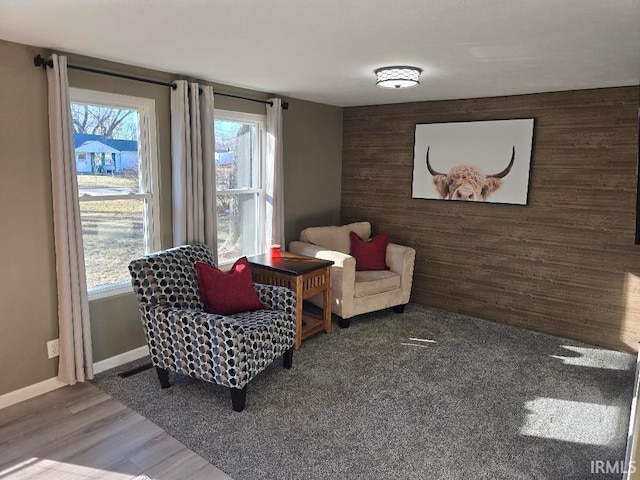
<point>113,235</point>
<point>107,181</point>
<point>113,231</point>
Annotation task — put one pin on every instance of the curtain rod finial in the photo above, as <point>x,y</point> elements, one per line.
<point>39,61</point>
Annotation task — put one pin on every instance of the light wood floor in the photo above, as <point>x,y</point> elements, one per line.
<point>80,432</point>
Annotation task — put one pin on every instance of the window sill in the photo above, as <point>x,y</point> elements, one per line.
<point>108,291</point>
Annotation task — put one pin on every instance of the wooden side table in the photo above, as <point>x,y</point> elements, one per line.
<point>306,276</point>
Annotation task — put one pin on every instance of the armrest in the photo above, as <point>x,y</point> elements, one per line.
<point>401,260</point>
<point>343,271</point>
<point>398,255</point>
<point>276,298</point>
<point>338,258</point>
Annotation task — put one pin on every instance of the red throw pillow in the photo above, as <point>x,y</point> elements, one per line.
<point>369,255</point>
<point>226,293</point>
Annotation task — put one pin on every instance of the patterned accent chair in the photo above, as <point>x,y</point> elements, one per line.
<point>183,338</point>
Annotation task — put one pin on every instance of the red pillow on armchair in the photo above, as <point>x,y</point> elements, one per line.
<point>226,293</point>
<point>369,255</point>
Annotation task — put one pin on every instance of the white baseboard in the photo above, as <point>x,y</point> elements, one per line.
<point>31,391</point>
<point>630,462</point>
<point>45,386</point>
<point>121,359</point>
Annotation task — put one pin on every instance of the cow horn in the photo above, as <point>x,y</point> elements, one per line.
<point>504,172</point>
<point>431,170</point>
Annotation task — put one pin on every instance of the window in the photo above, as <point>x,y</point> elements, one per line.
<point>116,162</point>
<point>240,197</point>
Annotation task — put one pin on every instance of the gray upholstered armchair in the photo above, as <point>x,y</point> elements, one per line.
<point>182,337</point>
<point>356,292</point>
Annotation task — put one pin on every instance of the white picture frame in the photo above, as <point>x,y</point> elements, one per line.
<point>471,161</point>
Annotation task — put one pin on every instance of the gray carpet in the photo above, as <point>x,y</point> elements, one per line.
<point>423,395</point>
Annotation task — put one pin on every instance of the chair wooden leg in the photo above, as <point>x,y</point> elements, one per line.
<point>163,376</point>
<point>238,398</point>
<point>398,308</point>
<point>287,358</point>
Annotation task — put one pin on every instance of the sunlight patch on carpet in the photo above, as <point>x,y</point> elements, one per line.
<point>420,342</point>
<point>594,358</point>
<point>567,421</point>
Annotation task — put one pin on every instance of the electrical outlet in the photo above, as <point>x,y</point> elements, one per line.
<point>53,348</point>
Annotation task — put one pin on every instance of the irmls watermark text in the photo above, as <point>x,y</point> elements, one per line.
<point>616,466</point>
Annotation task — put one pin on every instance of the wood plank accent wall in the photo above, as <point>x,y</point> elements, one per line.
<point>565,264</point>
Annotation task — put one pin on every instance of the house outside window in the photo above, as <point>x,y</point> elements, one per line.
<point>117,185</point>
<point>240,188</point>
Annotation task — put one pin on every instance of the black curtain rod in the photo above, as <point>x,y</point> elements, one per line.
<point>39,61</point>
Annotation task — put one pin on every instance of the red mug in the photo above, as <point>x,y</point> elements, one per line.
<point>275,251</point>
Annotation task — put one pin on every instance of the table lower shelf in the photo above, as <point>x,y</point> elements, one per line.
<point>311,324</point>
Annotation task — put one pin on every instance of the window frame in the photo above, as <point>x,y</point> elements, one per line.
<point>148,168</point>
<point>260,121</point>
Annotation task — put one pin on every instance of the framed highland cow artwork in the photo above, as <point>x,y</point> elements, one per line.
<point>485,161</point>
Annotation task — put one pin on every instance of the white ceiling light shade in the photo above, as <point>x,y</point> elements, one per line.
<point>398,77</point>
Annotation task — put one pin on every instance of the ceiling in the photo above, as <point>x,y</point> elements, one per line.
<point>326,50</point>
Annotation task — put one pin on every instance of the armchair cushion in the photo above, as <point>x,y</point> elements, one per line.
<point>369,255</point>
<point>374,282</point>
<point>226,293</point>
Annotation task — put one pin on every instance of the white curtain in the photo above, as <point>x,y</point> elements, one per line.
<point>274,230</point>
<point>193,157</point>
<point>76,359</point>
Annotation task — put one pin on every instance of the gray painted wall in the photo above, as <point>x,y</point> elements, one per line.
<point>28,302</point>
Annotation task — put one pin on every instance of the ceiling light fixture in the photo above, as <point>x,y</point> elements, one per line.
<point>398,77</point>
